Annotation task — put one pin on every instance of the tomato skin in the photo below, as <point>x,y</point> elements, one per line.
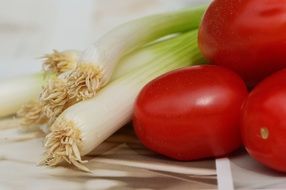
<point>247,36</point>
<point>191,113</point>
<point>263,123</point>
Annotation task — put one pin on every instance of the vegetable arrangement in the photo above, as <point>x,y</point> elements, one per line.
<point>76,126</point>
<point>140,71</point>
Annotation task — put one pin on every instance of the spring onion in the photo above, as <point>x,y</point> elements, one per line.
<point>97,63</point>
<point>83,126</point>
<point>17,91</point>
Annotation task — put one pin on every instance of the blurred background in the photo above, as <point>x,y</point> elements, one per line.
<point>31,28</point>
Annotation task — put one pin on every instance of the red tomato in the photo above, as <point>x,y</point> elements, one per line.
<point>263,124</point>
<point>191,113</point>
<point>247,36</point>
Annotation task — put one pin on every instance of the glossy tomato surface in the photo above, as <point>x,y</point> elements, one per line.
<point>191,113</point>
<point>248,36</point>
<point>263,124</point>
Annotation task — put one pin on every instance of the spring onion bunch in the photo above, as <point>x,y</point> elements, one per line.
<point>83,126</point>
<point>35,111</point>
<point>54,97</point>
<point>95,65</point>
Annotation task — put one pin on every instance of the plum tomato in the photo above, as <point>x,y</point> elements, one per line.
<point>247,36</point>
<point>263,123</point>
<point>191,113</point>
